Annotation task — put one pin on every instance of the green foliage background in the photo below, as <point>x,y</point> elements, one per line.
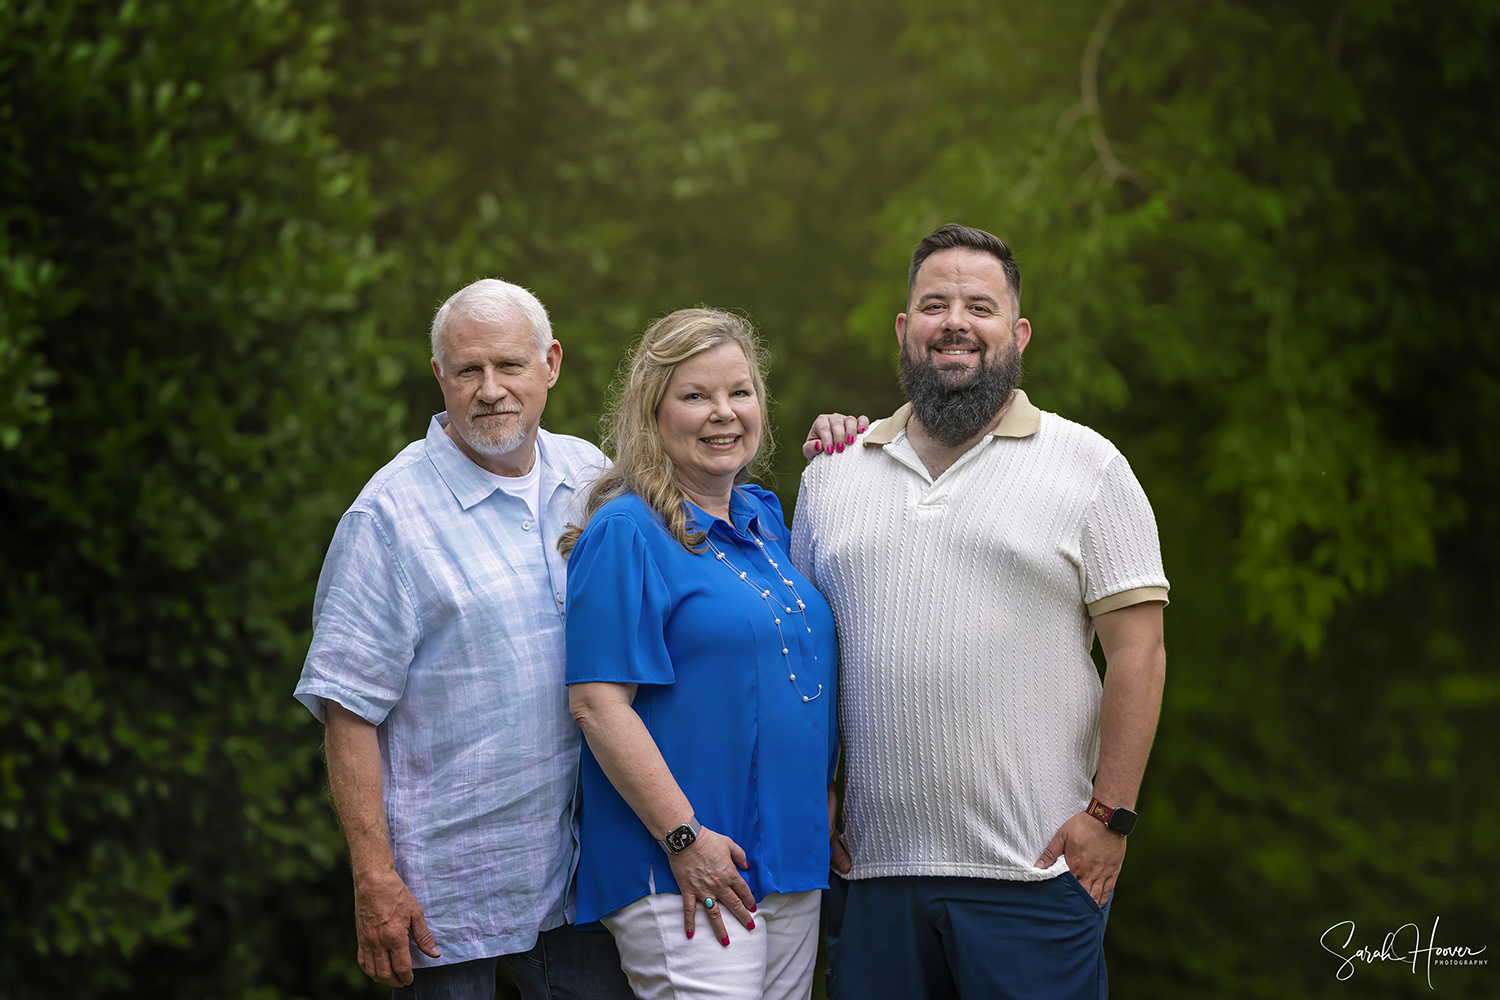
<point>1258,241</point>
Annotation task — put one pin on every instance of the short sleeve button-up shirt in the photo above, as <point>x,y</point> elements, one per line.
<point>439,618</point>
<point>736,689</point>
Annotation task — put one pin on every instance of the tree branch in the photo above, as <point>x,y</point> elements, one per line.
<point>1088,85</point>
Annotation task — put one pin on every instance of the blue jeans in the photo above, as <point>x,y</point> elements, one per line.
<point>932,938</point>
<point>567,963</point>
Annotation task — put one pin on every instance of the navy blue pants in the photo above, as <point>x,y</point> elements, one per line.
<point>930,938</point>
<point>568,963</point>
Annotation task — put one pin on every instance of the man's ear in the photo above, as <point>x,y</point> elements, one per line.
<point>554,363</point>
<point>901,330</point>
<point>1023,334</point>
<point>437,370</point>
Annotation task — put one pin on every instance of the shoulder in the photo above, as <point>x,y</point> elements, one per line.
<point>1071,448</point>
<point>405,480</point>
<point>571,455</point>
<point>624,528</point>
<point>627,514</point>
<point>852,467</point>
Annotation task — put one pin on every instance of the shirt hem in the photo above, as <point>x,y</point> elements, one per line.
<point>1127,598</point>
<point>494,947</point>
<point>315,692</point>
<point>616,680</point>
<point>815,884</point>
<point>1007,873</point>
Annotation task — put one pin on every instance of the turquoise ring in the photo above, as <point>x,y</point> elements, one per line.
<point>708,903</point>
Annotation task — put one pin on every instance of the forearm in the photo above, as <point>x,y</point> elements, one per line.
<point>354,777</point>
<point>629,757</point>
<point>1134,678</point>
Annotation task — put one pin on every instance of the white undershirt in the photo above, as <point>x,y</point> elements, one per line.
<point>527,487</point>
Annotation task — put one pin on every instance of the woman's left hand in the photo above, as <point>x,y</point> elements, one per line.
<point>710,869</point>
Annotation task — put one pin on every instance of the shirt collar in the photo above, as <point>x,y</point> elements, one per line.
<point>467,481</point>
<point>1022,419</point>
<point>743,516</point>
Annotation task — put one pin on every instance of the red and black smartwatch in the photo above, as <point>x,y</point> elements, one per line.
<point>1117,818</point>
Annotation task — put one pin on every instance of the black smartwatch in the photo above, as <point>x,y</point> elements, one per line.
<point>1117,818</point>
<point>680,839</point>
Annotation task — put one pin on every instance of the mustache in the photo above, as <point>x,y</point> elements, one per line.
<point>954,339</point>
<point>481,410</point>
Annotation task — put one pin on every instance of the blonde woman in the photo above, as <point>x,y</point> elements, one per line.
<point>701,667</point>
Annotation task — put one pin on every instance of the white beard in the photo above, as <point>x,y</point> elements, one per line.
<point>497,442</point>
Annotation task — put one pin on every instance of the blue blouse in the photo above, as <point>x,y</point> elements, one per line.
<point>752,756</point>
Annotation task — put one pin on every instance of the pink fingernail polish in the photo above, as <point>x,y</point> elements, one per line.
<point>752,908</point>
<point>690,934</point>
<point>841,449</point>
<point>750,926</point>
<point>724,941</point>
<point>817,446</point>
<point>851,439</point>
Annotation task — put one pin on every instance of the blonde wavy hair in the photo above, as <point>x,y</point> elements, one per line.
<point>641,464</point>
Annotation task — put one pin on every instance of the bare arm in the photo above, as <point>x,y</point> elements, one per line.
<point>634,765</point>
<point>385,912</point>
<point>1135,675</point>
<point>1135,655</point>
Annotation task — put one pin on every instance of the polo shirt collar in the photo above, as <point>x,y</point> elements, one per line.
<point>1022,419</point>
<point>469,483</point>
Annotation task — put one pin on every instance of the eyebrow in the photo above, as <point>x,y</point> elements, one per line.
<point>480,360</point>
<point>700,387</point>
<point>940,297</point>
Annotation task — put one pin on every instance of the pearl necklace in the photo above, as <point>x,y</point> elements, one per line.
<point>765,595</point>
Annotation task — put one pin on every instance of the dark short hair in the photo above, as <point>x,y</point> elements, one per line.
<point>956,237</point>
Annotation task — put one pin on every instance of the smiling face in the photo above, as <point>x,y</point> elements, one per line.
<point>709,420</point>
<point>961,315</point>
<point>495,380</point>
<point>960,345</point>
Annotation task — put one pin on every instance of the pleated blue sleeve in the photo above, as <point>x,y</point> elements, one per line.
<point>618,604</point>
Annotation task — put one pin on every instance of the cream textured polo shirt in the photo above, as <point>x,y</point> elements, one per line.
<point>968,701</point>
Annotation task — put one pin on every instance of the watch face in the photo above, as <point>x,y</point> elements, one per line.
<point>680,839</point>
<point>1122,821</point>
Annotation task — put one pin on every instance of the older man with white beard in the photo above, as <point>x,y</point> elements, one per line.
<point>972,546</point>
<point>437,665</point>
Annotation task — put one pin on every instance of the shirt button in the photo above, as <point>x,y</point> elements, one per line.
<point>559,598</point>
<point>525,525</point>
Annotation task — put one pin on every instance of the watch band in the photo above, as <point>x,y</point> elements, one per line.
<point>681,838</point>
<point>1117,818</point>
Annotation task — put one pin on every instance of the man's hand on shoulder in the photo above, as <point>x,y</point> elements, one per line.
<point>386,917</point>
<point>1094,852</point>
<point>832,432</point>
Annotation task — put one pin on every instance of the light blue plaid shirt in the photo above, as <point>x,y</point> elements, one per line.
<point>439,618</point>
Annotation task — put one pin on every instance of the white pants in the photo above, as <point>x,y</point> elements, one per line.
<point>775,961</point>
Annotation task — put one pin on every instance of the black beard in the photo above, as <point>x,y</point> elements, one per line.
<point>955,412</point>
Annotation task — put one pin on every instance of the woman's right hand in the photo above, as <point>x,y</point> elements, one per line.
<point>710,869</point>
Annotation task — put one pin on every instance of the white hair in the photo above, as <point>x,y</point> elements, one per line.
<point>490,300</point>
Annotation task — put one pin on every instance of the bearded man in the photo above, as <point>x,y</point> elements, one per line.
<point>972,546</point>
